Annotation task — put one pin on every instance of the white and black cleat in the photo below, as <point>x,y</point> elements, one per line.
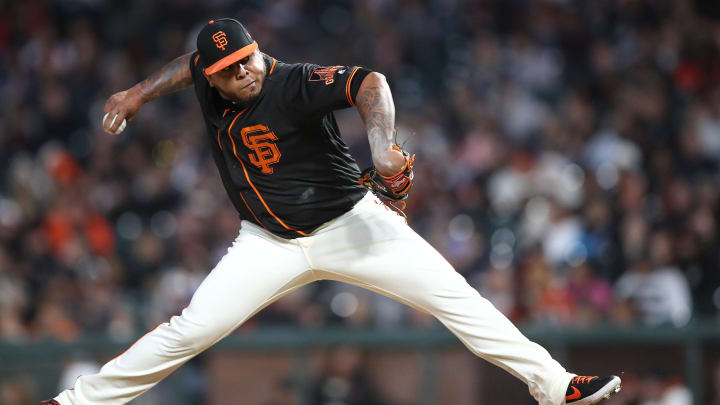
<point>585,390</point>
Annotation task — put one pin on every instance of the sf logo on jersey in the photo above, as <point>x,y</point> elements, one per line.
<point>260,139</point>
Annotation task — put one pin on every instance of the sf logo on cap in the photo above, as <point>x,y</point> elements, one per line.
<point>220,40</point>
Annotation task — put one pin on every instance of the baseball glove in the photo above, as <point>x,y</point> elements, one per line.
<point>395,187</point>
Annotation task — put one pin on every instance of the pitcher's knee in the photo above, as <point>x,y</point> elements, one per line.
<point>186,335</point>
<point>451,286</point>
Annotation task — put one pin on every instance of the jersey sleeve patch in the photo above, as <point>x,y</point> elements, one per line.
<point>326,74</point>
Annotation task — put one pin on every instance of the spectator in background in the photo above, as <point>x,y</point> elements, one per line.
<point>658,290</point>
<point>660,389</point>
<point>591,295</point>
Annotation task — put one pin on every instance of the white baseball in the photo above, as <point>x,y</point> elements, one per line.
<point>120,128</point>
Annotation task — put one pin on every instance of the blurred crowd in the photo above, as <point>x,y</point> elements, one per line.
<point>567,164</point>
<point>567,157</point>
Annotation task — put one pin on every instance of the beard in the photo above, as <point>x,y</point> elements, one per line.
<point>247,100</point>
<point>242,101</point>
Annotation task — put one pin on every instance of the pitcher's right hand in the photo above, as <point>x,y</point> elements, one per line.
<point>119,109</point>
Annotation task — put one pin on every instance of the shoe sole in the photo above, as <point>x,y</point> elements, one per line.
<point>610,389</point>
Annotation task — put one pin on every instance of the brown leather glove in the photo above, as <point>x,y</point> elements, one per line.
<point>395,187</point>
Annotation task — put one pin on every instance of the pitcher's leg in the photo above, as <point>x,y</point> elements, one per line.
<point>253,273</point>
<point>386,256</point>
<point>474,320</point>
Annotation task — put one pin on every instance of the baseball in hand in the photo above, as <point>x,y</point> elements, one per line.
<point>120,128</point>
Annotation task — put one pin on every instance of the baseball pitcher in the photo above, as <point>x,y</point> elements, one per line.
<point>308,213</point>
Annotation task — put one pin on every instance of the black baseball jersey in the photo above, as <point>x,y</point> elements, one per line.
<point>282,160</point>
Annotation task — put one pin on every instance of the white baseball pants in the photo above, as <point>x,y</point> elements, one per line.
<point>369,246</point>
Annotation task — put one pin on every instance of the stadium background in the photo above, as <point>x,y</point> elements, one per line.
<point>567,166</point>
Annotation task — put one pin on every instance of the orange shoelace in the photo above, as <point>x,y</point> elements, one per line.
<point>582,379</point>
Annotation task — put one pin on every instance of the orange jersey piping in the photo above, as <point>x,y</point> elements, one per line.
<point>272,67</point>
<point>348,86</point>
<point>251,211</point>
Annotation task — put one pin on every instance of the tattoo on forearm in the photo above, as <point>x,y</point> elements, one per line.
<point>172,77</point>
<point>375,105</point>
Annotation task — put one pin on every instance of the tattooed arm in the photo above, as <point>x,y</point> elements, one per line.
<point>375,105</point>
<point>125,104</point>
